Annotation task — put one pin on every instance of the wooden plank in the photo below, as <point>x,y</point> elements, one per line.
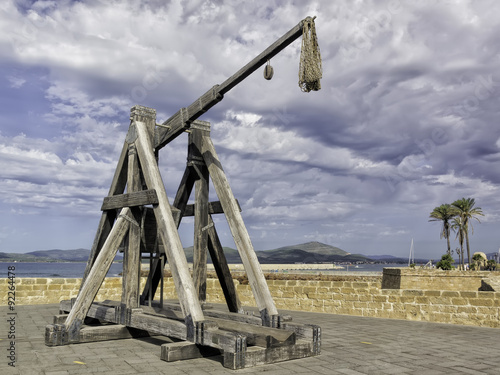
<point>131,256</point>
<point>177,351</point>
<point>200,243</point>
<point>222,269</point>
<point>257,356</point>
<point>132,199</point>
<point>237,317</point>
<point>167,228</point>
<point>97,274</point>
<point>213,208</point>
<point>240,234</point>
<point>309,332</point>
<point>104,312</point>
<point>221,339</point>
<point>159,325</point>
<point>175,314</point>
<point>109,332</point>
<point>257,335</point>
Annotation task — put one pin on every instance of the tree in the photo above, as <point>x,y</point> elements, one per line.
<point>446,262</point>
<point>467,211</point>
<point>457,226</point>
<point>444,213</point>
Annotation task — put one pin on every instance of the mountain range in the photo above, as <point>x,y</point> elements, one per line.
<point>310,252</point>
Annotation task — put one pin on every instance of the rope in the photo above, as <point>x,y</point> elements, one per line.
<point>310,68</point>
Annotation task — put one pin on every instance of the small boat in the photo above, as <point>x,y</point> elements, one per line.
<point>411,258</point>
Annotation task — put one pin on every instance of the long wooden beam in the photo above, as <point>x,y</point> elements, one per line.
<point>167,227</point>
<point>181,121</point>
<point>240,234</point>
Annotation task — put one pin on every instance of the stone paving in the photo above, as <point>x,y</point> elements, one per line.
<point>350,345</point>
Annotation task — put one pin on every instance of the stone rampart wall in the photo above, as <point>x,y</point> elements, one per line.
<point>432,279</point>
<point>362,298</point>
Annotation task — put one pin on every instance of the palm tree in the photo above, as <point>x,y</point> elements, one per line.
<point>457,226</point>
<point>467,211</point>
<point>444,213</point>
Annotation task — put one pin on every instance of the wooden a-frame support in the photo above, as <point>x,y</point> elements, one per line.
<point>137,215</point>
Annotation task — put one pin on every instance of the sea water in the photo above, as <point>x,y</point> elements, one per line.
<point>76,270</point>
<point>54,269</point>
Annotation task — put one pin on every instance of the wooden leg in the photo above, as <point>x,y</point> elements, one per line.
<point>96,275</point>
<point>252,266</point>
<point>167,228</point>
<point>200,244</point>
<point>222,269</point>
<point>131,261</point>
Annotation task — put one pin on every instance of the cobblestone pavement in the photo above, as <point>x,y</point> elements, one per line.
<point>350,345</point>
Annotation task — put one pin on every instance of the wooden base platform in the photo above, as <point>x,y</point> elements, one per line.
<point>239,338</point>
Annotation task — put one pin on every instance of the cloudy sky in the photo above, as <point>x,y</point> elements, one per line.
<point>407,118</point>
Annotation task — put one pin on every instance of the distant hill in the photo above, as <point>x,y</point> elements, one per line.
<point>56,255</point>
<point>309,252</point>
<point>77,255</point>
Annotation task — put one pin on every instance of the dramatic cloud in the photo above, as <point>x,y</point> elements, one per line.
<point>405,121</point>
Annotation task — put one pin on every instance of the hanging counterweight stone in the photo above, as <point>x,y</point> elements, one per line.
<point>268,72</point>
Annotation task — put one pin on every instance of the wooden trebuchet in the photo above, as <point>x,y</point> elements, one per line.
<point>138,219</point>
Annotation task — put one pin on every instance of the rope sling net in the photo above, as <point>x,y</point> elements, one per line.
<point>310,68</point>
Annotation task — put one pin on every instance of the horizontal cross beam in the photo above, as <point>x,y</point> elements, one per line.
<point>138,198</point>
<point>213,208</point>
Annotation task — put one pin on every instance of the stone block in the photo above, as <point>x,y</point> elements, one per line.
<point>325,284</point>
<point>368,297</point>
<point>360,285</point>
<point>348,290</point>
<point>380,298</point>
<point>350,297</point>
<point>468,294</point>
<point>393,299</point>
<point>439,300</point>
<point>407,300</point>
<point>467,309</point>
<point>447,293</point>
<point>280,282</point>
<point>24,288</point>
<point>459,301</point>
<point>432,293</point>
<point>361,305</point>
<point>412,292</point>
<point>481,301</point>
